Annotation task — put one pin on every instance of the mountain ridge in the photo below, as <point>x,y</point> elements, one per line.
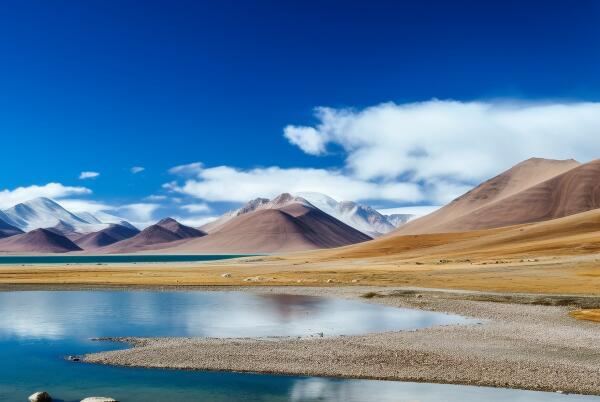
<point>454,216</point>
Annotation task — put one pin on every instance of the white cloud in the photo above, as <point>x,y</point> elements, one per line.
<point>189,169</point>
<point>307,138</point>
<point>8,198</point>
<point>426,152</point>
<point>224,183</point>
<point>450,140</point>
<point>195,208</point>
<point>88,175</point>
<point>139,212</point>
<point>137,169</point>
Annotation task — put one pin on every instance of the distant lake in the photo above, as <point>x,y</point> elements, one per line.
<point>111,259</point>
<point>39,328</point>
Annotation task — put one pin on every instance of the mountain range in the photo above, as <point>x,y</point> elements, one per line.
<point>535,190</point>
<point>286,223</point>
<point>538,208</point>
<point>44,213</point>
<point>361,217</point>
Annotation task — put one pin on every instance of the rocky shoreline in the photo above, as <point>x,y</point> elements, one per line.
<point>526,341</point>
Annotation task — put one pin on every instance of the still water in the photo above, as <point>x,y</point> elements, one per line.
<point>111,259</point>
<point>38,328</point>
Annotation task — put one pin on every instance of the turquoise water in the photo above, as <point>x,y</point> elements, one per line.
<point>39,328</point>
<point>108,259</point>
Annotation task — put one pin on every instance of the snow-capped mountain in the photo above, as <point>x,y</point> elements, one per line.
<point>89,217</point>
<point>360,217</point>
<point>6,229</point>
<point>41,213</point>
<point>106,218</point>
<point>400,219</point>
<point>48,214</point>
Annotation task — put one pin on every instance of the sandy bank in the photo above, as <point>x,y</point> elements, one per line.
<point>528,346</point>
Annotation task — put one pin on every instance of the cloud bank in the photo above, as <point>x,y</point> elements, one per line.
<point>8,198</point>
<point>224,183</point>
<point>426,152</point>
<point>451,140</point>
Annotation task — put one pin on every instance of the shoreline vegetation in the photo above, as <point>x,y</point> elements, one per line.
<point>507,349</point>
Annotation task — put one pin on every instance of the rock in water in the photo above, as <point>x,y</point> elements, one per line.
<point>42,396</point>
<point>99,399</point>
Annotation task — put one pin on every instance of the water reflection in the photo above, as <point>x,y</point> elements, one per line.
<point>332,390</point>
<point>37,329</point>
<point>55,315</point>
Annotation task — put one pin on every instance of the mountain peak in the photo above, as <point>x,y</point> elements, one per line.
<point>42,212</point>
<point>282,198</point>
<point>360,217</point>
<point>179,229</point>
<point>166,220</point>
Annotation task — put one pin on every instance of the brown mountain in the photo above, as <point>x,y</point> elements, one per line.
<point>286,226</point>
<point>155,236</point>
<point>38,241</point>
<point>575,191</point>
<point>105,237</point>
<point>183,231</point>
<point>488,205</point>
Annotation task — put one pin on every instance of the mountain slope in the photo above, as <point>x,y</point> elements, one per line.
<point>7,229</point>
<point>577,190</point>
<point>105,237</point>
<point>43,213</point>
<point>38,241</point>
<point>289,225</point>
<point>155,236</point>
<point>457,216</point>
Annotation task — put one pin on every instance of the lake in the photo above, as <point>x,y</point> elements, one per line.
<point>39,328</point>
<point>110,259</point>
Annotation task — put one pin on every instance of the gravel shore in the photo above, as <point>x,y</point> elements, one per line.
<point>527,346</point>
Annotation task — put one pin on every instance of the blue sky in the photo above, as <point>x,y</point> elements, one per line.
<point>103,86</point>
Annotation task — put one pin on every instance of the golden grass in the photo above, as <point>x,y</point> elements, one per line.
<point>558,276</point>
<point>559,257</point>
<point>588,315</point>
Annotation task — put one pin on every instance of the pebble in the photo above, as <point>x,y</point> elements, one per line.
<point>41,396</point>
